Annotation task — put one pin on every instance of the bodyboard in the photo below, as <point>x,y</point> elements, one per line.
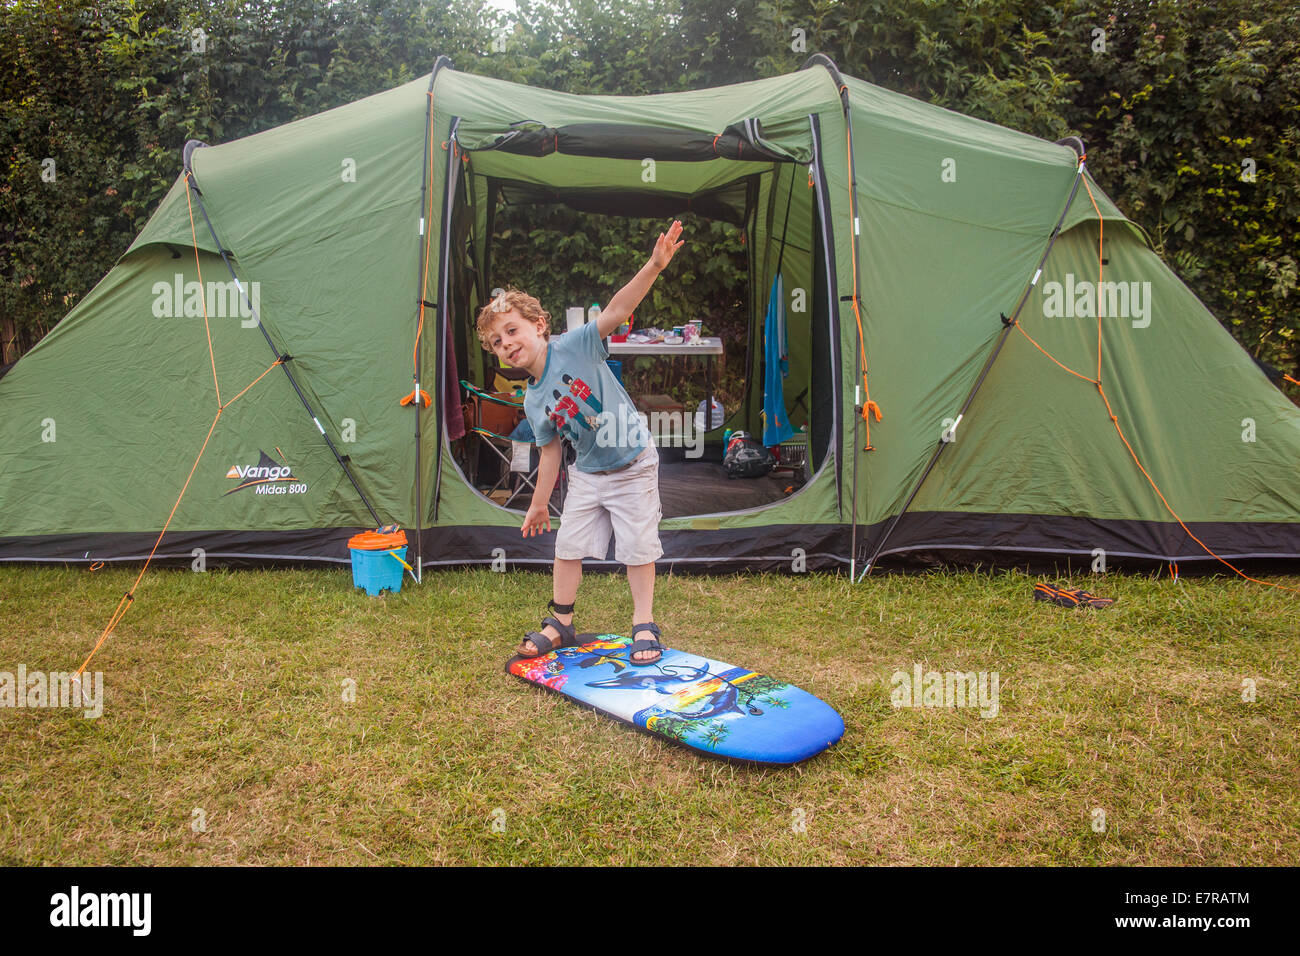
<point>716,708</point>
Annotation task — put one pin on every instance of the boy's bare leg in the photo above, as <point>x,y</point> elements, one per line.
<point>641,578</point>
<point>566,577</point>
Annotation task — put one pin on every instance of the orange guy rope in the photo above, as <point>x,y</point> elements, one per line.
<point>1120,431</point>
<point>124,603</point>
<point>869,407</point>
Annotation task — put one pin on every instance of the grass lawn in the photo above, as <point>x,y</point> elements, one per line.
<point>224,707</point>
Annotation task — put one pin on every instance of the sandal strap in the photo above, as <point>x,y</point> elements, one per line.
<point>645,644</point>
<point>543,643</point>
<point>567,633</point>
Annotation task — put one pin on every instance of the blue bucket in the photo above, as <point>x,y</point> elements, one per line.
<point>378,570</point>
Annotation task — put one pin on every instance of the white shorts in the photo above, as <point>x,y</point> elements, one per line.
<point>624,502</point>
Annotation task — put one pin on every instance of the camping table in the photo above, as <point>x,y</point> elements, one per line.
<point>708,347</point>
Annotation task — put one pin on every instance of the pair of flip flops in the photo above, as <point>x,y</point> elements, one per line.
<point>1072,598</point>
<point>569,637</point>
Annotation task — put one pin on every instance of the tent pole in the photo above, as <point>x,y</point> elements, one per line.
<point>1008,325</point>
<point>857,422</point>
<point>442,313</point>
<point>943,443</point>
<point>857,417</point>
<point>282,359</point>
<point>822,219</point>
<point>438,64</point>
<point>419,315</point>
<point>820,59</point>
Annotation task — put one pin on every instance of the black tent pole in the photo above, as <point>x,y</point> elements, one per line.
<point>281,358</point>
<point>857,421</point>
<point>1008,325</point>
<point>417,402</point>
<point>442,310</point>
<point>820,59</point>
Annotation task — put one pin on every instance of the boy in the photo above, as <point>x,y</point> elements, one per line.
<point>614,483</point>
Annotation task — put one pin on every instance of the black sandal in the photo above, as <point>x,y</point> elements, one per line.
<point>544,645</point>
<point>644,645</point>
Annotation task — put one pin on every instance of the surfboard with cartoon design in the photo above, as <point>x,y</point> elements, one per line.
<point>716,708</point>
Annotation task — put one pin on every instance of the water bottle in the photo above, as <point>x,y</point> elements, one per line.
<point>594,312</point>
<point>713,418</point>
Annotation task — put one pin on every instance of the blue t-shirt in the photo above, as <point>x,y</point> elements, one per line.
<point>579,398</point>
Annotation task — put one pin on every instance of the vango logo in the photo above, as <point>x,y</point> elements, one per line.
<point>258,471</point>
<point>267,477</point>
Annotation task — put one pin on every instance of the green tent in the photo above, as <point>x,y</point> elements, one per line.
<point>340,259</point>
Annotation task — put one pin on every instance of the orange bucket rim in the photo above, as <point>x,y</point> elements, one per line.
<point>375,541</point>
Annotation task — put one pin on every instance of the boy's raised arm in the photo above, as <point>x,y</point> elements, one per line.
<point>629,297</point>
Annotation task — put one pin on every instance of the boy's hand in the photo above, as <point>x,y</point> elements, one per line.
<point>666,246</point>
<point>538,515</point>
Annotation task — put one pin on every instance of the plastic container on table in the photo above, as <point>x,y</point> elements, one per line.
<point>620,333</point>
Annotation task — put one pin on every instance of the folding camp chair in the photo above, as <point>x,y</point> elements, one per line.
<point>487,415</point>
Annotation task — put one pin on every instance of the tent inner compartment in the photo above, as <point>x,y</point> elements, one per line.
<point>687,485</point>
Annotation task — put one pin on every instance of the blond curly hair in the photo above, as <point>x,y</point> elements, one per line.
<point>509,300</point>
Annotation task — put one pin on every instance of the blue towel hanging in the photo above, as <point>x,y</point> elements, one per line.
<point>776,366</point>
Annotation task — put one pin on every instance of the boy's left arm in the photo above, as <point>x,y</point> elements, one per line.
<point>629,297</point>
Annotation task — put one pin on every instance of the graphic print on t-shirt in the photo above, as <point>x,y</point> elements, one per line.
<point>578,398</point>
<point>582,390</point>
<point>561,424</point>
<point>565,404</point>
